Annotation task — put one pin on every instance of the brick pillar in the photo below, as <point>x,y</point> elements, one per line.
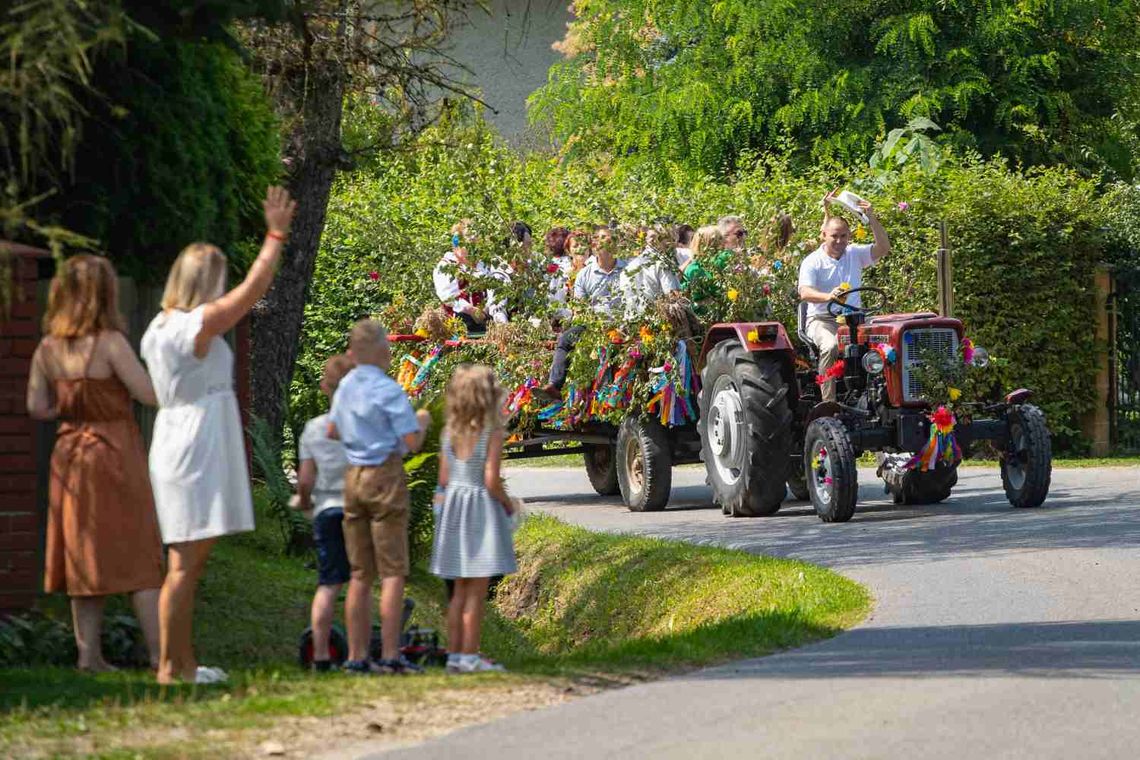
<point>1095,424</point>
<point>21,558</point>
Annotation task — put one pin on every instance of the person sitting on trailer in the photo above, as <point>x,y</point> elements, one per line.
<point>833,268</point>
<point>452,280</point>
<point>597,285</point>
<point>649,275</point>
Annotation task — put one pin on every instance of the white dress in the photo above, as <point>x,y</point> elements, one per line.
<point>197,453</point>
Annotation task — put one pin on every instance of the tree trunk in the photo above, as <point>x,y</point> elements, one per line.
<point>313,154</point>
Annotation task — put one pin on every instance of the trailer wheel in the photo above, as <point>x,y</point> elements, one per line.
<point>644,464</point>
<point>601,468</point>
<point>830,469</point>
<point>1027,462</point>
<point>746,430</point>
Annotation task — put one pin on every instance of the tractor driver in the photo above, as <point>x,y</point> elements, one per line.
<point>836,266</point>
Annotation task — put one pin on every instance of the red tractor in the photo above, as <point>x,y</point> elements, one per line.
<point>763,422</point>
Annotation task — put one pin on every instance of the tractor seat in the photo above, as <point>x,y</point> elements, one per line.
<point>806,347</point>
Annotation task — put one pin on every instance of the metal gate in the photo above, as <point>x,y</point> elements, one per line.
<point>1124,362</point>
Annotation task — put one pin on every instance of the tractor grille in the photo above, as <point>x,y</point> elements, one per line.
<point>943,340</point>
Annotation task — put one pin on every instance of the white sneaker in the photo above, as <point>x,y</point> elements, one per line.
<point>479,664</point>
<point>205,675</point>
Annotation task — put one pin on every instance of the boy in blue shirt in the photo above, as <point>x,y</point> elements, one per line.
<point>373,417</point>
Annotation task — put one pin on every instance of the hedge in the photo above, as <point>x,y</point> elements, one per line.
<point>1026,243</point>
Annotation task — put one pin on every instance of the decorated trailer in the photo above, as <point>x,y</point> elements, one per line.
<point>745,400</point>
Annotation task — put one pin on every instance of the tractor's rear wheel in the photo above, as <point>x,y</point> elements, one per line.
<point>644,464</point>
<point>830,470</point>
<point>746,430</point>
<point>1027,462</point>
<point>601,468</point>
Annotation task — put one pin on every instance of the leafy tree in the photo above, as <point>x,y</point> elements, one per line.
<point>1039,81</point>
<point>391,53</point>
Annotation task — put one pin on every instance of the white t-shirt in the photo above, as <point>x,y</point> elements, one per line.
<point>645,279</point>
<point>824,273</point>
<point>329,456</point>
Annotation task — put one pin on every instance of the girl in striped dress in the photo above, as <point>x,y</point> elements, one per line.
<point>473,531</point>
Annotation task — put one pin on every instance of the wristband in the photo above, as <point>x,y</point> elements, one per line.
<point>280,236</point>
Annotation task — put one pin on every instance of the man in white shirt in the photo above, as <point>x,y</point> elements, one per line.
<point>830,270</point>
<point>597,284</point>
<point>647,277</point>
<point>451,278</point>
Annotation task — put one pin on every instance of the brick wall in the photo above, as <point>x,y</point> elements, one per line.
<point>20,533</point>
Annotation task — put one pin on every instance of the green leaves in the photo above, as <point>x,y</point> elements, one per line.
<point>703,84</point>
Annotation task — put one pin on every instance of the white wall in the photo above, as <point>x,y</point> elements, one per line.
<point>509,53</point>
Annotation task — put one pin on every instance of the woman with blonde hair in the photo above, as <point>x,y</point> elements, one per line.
<point>473,532</point>
<point>102,536</point>
<point>197,454</point>
<point>696,281</point>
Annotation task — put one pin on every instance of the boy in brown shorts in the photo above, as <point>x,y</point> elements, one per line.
<point>373,418</point>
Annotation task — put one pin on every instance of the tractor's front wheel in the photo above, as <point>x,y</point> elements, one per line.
<point>746,430</point>
<point>1027,462</point>
<point>601,468</point>
<point>830,469</point>
<point>644,464</point>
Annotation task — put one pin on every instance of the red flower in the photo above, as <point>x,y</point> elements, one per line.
<point>942,417</point>
<point>374,275</point>
<point>551,268</point>
<point>767,289</point>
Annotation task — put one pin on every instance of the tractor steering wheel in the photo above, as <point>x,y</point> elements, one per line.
<point>838,309</point>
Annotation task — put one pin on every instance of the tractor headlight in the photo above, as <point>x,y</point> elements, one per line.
<point>981,357</point>
<point>873,363</point>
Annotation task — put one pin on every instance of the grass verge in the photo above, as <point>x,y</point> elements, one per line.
<point>584,608</point>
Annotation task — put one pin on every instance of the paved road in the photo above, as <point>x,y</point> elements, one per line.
<point>997,633</point>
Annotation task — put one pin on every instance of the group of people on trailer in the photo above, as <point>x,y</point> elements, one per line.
<point>586,267</point>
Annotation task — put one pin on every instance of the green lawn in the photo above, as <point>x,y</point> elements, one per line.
<point>584,606</point>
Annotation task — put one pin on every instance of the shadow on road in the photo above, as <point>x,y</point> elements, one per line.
<point>1042,650</point>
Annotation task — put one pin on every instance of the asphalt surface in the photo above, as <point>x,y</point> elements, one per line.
<point>996,633</point>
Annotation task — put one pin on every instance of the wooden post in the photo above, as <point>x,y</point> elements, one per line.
<point>945,269</point>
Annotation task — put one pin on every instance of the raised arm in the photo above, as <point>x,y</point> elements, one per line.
<point>129,369</point>
<point>221,315</point>
<point>40,399</point>
<point>882,244</point>
<point>811,295</point>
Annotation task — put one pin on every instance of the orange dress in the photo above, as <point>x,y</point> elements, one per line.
<point>102,531</point>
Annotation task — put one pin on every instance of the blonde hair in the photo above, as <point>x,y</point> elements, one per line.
<point>83,298</point>
<point>706,240</point>
<point>367,332</point>
<point>337,366</point>
<point>197,277</point>
<point>474,400</point>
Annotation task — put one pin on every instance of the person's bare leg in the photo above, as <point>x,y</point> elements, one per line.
<point>473,607</point>
<point>87,620</point>
<point>391,614</point>
<point>358,617</point>
<point>145,603</point>
<point>176,610</point>
<point>455,616</point>
<point>324,604</point>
